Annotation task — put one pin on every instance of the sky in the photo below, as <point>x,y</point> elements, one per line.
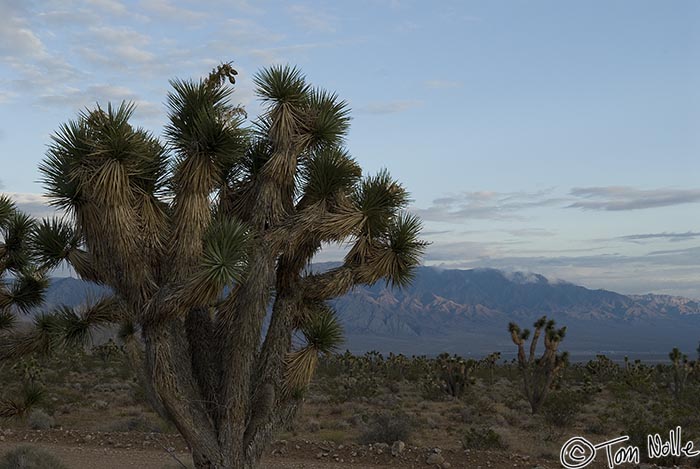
<point>541,136</point>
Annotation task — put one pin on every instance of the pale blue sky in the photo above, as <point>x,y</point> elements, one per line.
<point>559,137</point>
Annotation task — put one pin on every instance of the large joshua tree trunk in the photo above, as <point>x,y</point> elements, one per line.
<point>200,238</point>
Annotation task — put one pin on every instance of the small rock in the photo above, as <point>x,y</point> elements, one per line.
<point>435,458</point>
<point>397,448</point>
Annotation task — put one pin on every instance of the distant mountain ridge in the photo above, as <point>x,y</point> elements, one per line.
<point>467,312</point>
<point>488,293</point>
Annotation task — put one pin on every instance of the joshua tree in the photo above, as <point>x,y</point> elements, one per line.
<point>490,362</point>
<point>539,373</point>
<point>22,282</point>
<point>681,369</point>
<point>200,237</point>
<point>22,287</point>
<point>455,373</point>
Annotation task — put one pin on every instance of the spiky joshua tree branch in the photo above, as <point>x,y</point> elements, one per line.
<point>200,236</point>
<point>539,373</point>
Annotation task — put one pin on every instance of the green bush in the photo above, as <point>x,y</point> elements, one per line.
<point>482,438</point>
<point>28,457</point>
<point>387,428</point>
<point>40,420</point>
<point>561,408</point>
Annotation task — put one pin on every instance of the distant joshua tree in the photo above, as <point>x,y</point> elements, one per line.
<point>199,236</point>
<point>539,373</point>
<point>681,369</point>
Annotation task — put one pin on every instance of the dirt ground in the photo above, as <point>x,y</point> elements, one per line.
<point>104,450</point>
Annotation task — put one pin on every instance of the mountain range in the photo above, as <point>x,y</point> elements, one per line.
<point>468,311</point>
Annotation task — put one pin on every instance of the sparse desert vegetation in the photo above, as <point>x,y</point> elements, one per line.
<point>363,405</point>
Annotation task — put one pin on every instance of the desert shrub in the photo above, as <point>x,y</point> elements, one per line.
<point>432,390</point>
<point>638,377</point>
<point>137,423</point>
<point>387,428</point>
<point>394,387</point>
<point>30,369</point>
<point>561,408</point>
<point>314,426</point>
<point>347,388</point>
<point>335,435</point>
<point>416,369</point>
<point>602,370</point>
<point>107,351</point>
<point>482,438</point>
<point>335,410</point>
<point>487,366</point>
<point>40,420</point>
<point>640,419</point>
<point>454,374</point>
<point>479,404</point>
<point>603,423</point>
<point>28,457</point>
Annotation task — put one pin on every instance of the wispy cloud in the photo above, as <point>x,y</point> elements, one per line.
<point>530,232</point>
<point>34,204</point>
<point>17,39</point>
<point>76,98</point>
<point>167,9</point>
<point>246,31</point>
<point>468,251</point>
<point>618,198</point>
<point>443,84</point>
<point>6,96</point>
<point>117,48</point>
<point>389,107</point>
<point>281,54</point>
<point>312,19</point>
<point>673,237</point>
<point>114,7</point>
<point>485,205</point>
<point>673,272</point>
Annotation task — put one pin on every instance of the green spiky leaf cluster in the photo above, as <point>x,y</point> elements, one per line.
<point>23,280</point>
<point>322,334</point>
<point>31,396</point>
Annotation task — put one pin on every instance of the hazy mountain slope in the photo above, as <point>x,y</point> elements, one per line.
<point>467,311</point>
